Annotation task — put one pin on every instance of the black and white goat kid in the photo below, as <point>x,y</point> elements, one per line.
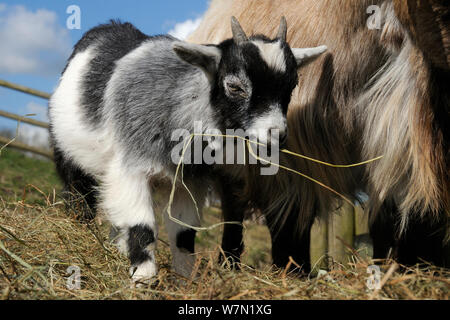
<point>121,96</point>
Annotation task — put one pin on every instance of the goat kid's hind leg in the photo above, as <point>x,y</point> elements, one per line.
<point>79,187</point>
<point>182,238</point>
<point>126,199</point>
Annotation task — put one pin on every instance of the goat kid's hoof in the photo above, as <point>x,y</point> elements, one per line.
<point>143,273</point>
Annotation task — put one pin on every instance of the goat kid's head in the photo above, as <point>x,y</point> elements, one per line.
<point>251,79</point>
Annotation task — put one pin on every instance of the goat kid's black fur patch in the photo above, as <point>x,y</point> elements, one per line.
<point>139,238</point>
<point>186,240</point>
<point>78,185</point>
<point>116,39</point>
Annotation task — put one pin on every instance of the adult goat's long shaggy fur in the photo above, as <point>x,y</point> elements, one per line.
<point>377,92</point>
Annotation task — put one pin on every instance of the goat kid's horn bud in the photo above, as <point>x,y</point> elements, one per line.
<point>282,30</point>
<point>239,35</point>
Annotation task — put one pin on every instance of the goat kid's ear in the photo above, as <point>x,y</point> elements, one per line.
<point>206,58</point>
<point>303,56</point>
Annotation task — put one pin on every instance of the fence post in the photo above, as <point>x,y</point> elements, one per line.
<point>10,143</point>
<point>23,119</point>
<point>319,245</point>
<point>341,228</point>
<point>24,89</point>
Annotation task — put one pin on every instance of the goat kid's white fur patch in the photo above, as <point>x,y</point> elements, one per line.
<point>272,54</point>
<point>144,271</point>
<point>263,125</point>
<point>125,196</point>
<point>90,147</point>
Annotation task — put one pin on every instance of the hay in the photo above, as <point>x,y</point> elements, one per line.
<point>39,242</point>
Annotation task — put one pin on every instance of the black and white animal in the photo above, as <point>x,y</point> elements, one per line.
<point>121,96</point>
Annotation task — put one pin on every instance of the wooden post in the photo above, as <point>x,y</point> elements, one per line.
<point>24,89</point>
<point>10,143</point>
<point>319,245</point>
<point>341,233</point>
<point>23,119</point>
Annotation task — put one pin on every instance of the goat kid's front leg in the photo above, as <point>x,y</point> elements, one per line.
<point>233,207</point>
<point>126,198</point>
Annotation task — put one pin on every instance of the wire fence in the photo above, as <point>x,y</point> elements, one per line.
<point>12,143</point>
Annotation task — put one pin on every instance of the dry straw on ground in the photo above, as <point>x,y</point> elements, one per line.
<point>39,242</point>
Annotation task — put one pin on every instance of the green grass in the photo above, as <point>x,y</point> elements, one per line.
<point>22,176</point>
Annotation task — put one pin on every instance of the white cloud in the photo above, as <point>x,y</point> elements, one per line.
<point>32,42</point>
<point>183,29</point>
<point>40,111</point>
<point>34,136</point>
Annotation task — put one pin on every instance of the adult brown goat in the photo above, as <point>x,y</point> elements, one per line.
<point>380,90</point>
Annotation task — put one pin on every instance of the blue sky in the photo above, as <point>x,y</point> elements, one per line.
<point>35,42</point>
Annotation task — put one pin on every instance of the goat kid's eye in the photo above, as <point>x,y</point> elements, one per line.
<point>236,89</point>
